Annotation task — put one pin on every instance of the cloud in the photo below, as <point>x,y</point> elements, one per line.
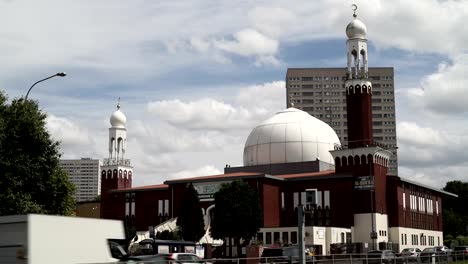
<point>202,171</point>
<point>444,92</point>
<point>67,131</point>
<point>72,136</point>
<point>211,114</point>
<point>249,42</point>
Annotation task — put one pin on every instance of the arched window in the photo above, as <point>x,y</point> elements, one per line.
<point>356,160</point>
<point>337,162</point>
<point>344,161</point>
<point>363,159</point>
<point>350,160</point>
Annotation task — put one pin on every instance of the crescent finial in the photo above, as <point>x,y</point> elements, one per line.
<point>354,8</point>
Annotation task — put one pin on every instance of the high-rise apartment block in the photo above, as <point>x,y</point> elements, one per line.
<point>85,175</point>
<point>321,92</point>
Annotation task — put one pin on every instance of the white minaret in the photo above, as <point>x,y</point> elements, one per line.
<point>117,135</point>
<point>116,170</point>
<point>357,48</point>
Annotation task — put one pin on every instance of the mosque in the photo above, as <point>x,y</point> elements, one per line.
<point>295,159</point>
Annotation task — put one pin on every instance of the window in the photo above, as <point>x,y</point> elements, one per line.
<point>296,199</point>
<point>311,197</point>
<point>294,237</point>
<point>160,207</point>
<point>268,238</point>
<point>282,200</point>
<point>285,238</point>
<point>276,237</point>
<point>404,201</point>
<point>166,207</point>
<point>319,198</point>
<point>327,199</point>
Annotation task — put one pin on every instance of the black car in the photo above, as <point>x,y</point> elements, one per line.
<point>381,256</point>
<point>434,253</point>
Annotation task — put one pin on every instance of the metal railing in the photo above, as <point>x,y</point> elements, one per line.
<point>364,258</point>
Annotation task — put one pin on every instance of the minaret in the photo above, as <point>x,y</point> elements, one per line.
<point>358,86</point>
<point>116,171</point>
<point>366,162</point>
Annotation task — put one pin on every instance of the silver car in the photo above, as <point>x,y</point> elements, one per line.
<point>409,255</point>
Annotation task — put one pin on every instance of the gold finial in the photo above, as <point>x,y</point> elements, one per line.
<point>118,104</point>
<point>354,8</point>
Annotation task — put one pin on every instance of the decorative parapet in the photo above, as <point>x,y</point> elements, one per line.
<point>115,161</point>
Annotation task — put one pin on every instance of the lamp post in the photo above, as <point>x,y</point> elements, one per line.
<point>59,74</point>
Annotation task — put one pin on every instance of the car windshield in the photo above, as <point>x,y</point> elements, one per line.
<point>428,250</point>
<point>407,250</point>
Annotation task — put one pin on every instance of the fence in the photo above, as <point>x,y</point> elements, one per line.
<point>454,258</point>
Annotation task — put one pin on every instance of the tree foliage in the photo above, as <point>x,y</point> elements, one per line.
<point>237,212</point>
<point>31,180</point>
<point>454,209</point>
<point>190,219</point>
<point>169,235</point>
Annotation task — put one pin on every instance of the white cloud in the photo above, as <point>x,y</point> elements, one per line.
<point>67,131</point>
<point>444,92</point>
<point>249,42</point>
<point>252,104</point>
<point>202,171</point>
<point>412,133</point>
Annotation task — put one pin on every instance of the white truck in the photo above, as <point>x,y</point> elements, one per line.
<point>39,239</point>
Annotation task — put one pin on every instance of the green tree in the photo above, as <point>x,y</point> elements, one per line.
<point>190,219</point>
<point>454,209</point>
<point>237,213</point>
<point>169,235</point>
<point>31,180</point>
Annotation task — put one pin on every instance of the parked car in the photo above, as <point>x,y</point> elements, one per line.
<point>440,253</point>
<point>409,255</point>
<point>460,253</point>
<point>381,256</point>
<point>284,255</point>
<point>443,250</point>
<point>119,253</point>
<point>183,258</point>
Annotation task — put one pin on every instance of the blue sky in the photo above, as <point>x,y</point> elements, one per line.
<point>189,74</point>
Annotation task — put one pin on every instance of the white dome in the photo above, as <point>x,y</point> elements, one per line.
<point>290,136</point>
<point>118,119</point>
<point>356,29</point>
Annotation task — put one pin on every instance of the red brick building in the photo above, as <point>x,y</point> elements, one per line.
<point>292,159</point>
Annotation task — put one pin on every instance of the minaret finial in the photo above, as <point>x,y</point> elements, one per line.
<point>118,104</point>
<point>354,8</point>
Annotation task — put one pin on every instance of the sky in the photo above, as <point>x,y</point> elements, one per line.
<point>195,77</point>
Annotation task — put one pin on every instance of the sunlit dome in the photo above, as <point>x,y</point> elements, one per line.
<point>290,136</point>
<point>356,29</point>
<point>118,119</point>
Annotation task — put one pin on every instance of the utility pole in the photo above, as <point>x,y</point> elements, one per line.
<point>301,233</point>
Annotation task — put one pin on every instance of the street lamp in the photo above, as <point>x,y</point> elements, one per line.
<point>59,74</point>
